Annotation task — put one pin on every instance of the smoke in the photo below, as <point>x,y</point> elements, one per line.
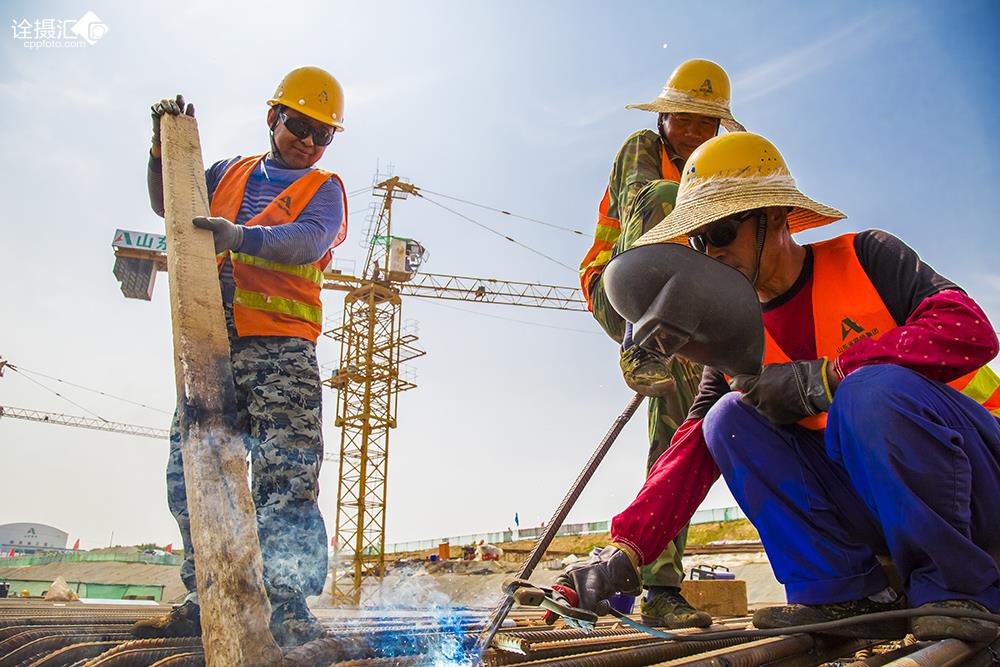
<point>413,598</point>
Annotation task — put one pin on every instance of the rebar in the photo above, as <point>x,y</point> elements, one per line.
<point>945,653</point>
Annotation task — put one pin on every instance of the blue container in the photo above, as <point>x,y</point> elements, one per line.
<point>622,603</point>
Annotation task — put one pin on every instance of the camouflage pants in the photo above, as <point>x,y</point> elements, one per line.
<point>649,205</point>
<point>279,414</point>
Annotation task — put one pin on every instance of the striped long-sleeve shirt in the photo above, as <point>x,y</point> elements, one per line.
<point>300,242</point>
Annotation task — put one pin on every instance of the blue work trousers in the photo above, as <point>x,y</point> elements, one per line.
<point>906,467</point>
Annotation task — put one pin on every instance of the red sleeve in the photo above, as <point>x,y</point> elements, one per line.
<point>675,486</point>
<point>944,338</point>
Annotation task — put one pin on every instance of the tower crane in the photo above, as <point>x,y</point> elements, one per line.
<point>367,378</point>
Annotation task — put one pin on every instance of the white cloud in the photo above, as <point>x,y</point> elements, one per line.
<point>796,64</point>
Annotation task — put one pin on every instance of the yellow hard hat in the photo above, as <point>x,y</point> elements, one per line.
<point>730,174</point>
<point>313,92</point>
<point>25,593</point>
<point>696,86</point>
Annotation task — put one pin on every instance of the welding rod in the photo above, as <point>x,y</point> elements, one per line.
<point>507,601</point>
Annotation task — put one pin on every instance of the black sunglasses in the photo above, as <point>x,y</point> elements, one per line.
<point>302,128</point>
<point>720,233</point>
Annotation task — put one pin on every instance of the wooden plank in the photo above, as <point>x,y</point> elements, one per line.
<point>234,606</point>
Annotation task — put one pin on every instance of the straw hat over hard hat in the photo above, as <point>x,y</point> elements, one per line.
<point>730,174</point>
<point>696,86</point>
<point>313,92</point>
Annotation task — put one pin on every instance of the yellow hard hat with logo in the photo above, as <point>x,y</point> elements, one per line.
<point>313,92</point>
<point>732,173</point>
<point>696,86</point>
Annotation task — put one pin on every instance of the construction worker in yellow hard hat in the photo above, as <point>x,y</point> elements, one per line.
<point>871,428</point>
<point>641,191</point>
<point>275,218</point>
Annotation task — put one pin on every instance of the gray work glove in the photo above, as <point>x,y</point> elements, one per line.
<point>174,107</point>
<point>611,570</point>
<point>227,235</point>
<point>789,392</point>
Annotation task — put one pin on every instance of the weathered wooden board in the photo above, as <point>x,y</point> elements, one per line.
<point>234,606</point>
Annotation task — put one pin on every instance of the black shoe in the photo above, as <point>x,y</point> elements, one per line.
<point>946,627</point>
<point>182,621</point>
<point>671,610</point>
<point>805,614</point>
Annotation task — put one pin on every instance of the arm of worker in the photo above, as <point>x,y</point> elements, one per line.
<point>307,238</point>
<point>942,334</point>
<point>154,169</point>
<point>636,164</point>
<point>676,484</point>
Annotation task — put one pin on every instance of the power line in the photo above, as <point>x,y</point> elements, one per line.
<point>509,319</point>
<point>29,379</point>
<point>95,391</point>
<point>358,192</point>
<point>493,231</point>
<point>504,212</point>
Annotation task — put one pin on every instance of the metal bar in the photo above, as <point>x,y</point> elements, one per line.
<point>945,653</point>
<point>545,539</point>
<point>82,422</point>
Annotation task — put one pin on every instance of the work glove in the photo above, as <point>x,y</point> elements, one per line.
<point>789,392</point>
<point>611,570</point>
<point>227,235</point>
<point>174,107</point>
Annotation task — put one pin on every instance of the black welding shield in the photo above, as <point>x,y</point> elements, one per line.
<point>683,302</point>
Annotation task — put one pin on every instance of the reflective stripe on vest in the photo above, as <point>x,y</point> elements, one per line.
<point>847,308</point>
<point>271,298</point>
<point>609,229</point>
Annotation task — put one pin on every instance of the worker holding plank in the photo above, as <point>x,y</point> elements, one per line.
<point>872,428</point>
<point>641,190</point>
<point>275,219</point>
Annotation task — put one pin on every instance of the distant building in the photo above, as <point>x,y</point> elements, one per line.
<point>29,538</point>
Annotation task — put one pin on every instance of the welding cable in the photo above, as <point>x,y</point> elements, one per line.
<point>821,628</point>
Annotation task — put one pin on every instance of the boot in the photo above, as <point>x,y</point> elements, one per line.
<point>292,624</point>
<point>946,627</point>
<point>804,614</point>
<point>182,621</point>
<point>669,609</point>
<point>646,372</point>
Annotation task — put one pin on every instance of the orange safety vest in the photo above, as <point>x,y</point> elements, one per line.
<point>847,308</point>
<point>271,298</point>
<point>609,229</point>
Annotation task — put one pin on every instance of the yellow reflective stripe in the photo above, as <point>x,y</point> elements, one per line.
<point>607,233</point>
<point>982,385</point>
<point>278,304</point>
<point>602,258</point>
<point>306,271</point>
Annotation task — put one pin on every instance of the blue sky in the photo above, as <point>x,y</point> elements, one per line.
<point>884,112</point>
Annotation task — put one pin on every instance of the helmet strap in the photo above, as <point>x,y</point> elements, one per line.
<point>275,153</point>
<point>761,236</point>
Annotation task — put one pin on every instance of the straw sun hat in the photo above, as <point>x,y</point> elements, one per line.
<point>732,173</point>
<point>696,86</point>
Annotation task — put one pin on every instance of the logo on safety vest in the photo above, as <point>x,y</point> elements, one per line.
<point>285,204</point>
<point>847,325</point>
<point>706,87</point>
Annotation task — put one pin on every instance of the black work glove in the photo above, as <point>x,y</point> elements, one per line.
<point>789,392</point>
<point>227,235</point>
<point>174,107</point>
<point>594,580</point>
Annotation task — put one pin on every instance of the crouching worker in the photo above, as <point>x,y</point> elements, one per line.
<point>871,429</point>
